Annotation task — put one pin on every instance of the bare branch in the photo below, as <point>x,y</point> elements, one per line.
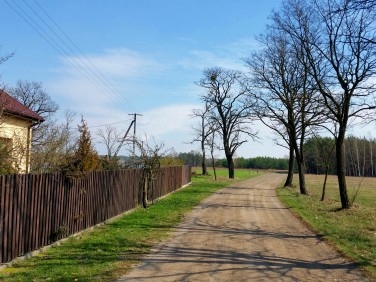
<point>230,109</point>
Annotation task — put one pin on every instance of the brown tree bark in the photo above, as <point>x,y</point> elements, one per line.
<point>341,170</point>
<point>290,173</point>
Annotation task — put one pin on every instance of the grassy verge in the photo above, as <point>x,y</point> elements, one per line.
<point>353,231</point>
<point>110,250</point>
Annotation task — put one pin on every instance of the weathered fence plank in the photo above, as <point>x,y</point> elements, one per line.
<point>38,209</point>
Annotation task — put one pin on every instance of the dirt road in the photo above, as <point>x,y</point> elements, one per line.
<point>243,233</point>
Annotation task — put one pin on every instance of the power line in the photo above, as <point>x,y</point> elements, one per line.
<point>34,25</point>
<point>91,72</point>
<point>88,63</point>
<point>109,123</point>
<point>79,50</point>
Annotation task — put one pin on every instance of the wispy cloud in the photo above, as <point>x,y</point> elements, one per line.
<point>113,63</point>
<point>168,119</point>
<point>109,84</point>
<point>227,56</point>
<point>162,88</point>
<point>171,125</point>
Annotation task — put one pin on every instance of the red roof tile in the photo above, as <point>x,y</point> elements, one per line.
<point>11,106</point>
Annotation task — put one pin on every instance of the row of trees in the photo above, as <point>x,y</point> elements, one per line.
<point>258,163</point>
<point>194,159</point>
<point>314,72</point>
<point>359,154</point>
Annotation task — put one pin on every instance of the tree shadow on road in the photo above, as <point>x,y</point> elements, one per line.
<point>216,264</point>
<point>195,263</point>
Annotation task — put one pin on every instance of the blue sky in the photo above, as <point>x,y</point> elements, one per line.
<point>150,52</point>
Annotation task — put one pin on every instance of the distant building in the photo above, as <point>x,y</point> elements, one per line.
<point>16,122</point>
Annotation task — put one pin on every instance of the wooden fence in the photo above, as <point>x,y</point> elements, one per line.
<point>38,209</point>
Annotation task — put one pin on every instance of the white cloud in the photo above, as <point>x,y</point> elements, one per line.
<point>120,62</point>
<point>201,59</point>
<point>170,124</point>
<point>173,125</point>
<point>168,119</point>
<point>227,56</point>
<point>165,103</point>
<point>81,88</point>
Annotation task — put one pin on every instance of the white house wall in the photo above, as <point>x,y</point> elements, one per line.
<point>16,129</point>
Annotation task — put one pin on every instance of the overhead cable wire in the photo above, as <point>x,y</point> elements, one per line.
<point>91,76</point>
<point>83,58</point>
<point>52,42</point>
<point>96,70</point>
<point>93,126</point>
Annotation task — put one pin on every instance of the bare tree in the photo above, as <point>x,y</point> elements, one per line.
<point>110,137</point>
<point>231,111</point>
<point>6,57</point>
<point>58,147</point>
<point>52,143</point>
<point>210,142</point>
<point>149,159</point>
<point>286,95</point>
<point>339,42</point>
<point>33,95</point>
<point>367,5</point>
<point>324,146</point>
<point>202,133</point>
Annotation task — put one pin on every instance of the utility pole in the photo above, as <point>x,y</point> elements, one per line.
<point>134,132</point>
<point>123,140</point>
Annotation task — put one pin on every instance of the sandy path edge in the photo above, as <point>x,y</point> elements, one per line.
<point>244,233</point>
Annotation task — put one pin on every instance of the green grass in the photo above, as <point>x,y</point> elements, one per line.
<point>352,231</point>
<point>110,250</point>
<point>222,173</point>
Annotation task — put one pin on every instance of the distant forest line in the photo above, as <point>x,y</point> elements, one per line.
<point>360,155</point>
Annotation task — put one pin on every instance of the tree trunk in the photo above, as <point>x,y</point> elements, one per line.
<point>203,164</point>
<point>231,166</point>
<point>302,185</point>
<point>324,186</point>
<point>341,170</point>
<point>203,139</point>
<point>301,170</point>
<point>371,156</point>
<point>327,165</point>
<point>290,173</point>
<point>213,165</point>
<point>300,163</point>
<point>357,158</point>
<point>145,201</point>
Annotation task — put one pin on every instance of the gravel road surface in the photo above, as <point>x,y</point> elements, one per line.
<point>243,233</point>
